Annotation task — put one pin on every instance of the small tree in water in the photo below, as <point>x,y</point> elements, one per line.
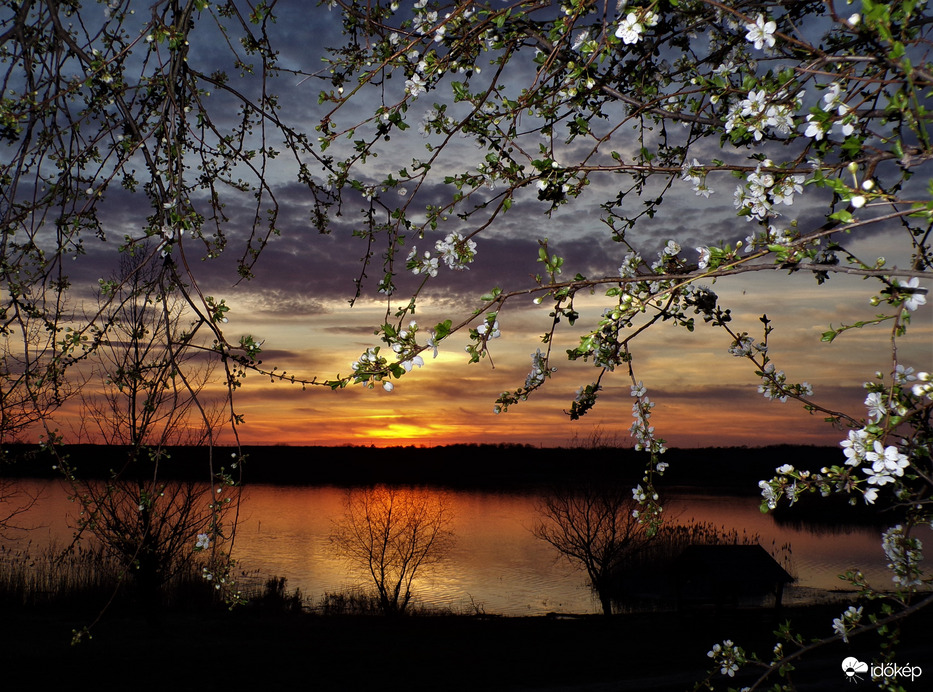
<point>393,534</point>
<point>595,529</point>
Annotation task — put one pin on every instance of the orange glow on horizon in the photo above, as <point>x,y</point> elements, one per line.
<point>704,396</point>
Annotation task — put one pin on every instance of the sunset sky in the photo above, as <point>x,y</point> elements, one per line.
<point>298,306</point>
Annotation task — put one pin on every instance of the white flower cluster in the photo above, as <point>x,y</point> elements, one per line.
<point>203,542</point>
<point>632,27</point>
<point>456,252</point>
<point>489,330</point>
<point>847,622</point>
<point>371,367</point>
<point>924,386</point>
<point>761,191</point>
<point>546,184</point>
<point>629,266</point>
<point>757,112</point>
<point>816,128</point>
<point>667,253</point>
<point>791,490</point>
<point>424,22</point>
<point>434,120</point>
<point>642,431</point>
<point>744,346</point>
<point>877,407</point>
<point>112,7</point>
<point>905,555</point>
<point>694,173</point>
<point>424,19</point>
<point>539,370</point>
<point>728,656</point>
<point>886,462</point>
<point>774,385</point>
<point>423,263</point>
<point>856,446</point>
<point>370,357</point>
<point>406,348</point>
<point>769,236</point>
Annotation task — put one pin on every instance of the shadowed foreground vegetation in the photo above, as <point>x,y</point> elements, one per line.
<point>281,640</point>
<point>260,648</point>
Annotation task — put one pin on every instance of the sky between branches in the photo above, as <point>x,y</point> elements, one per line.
<point>298,305</point>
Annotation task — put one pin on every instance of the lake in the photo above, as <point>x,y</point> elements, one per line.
<point>496,562</point>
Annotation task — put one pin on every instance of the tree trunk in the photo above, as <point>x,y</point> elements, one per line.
<point>605,601</point>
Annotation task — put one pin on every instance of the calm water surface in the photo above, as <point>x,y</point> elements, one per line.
<point>496,563</point>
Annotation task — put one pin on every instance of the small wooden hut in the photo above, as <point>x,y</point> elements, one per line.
<point>725,575</point>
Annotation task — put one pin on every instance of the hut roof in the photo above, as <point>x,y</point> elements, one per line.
<point>752,564</point>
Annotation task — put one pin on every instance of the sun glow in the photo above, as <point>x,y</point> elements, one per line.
<point>396,433</point>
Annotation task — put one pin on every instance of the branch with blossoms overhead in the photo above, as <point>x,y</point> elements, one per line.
<point>645,99</point>
<point>815,140</point>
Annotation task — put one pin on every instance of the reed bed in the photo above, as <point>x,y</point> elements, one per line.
<point>56,576</point>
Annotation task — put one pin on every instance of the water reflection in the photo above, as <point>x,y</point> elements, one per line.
<point>496,563</point>
<point>392,535</point>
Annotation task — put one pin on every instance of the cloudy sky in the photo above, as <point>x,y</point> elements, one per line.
<point>298,305</point>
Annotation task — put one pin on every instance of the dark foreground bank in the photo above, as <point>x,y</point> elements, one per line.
<point>251,649</point>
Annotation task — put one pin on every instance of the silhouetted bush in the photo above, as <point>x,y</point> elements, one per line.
<point>276,597</point>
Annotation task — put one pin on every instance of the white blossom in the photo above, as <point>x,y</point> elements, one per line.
<point>877,409</point>
<point>887,461</point>
<point>761,33</point>
<point>814,128</point>
<point>629,29</point>
<point>914,295</point>
<point>539,370</point>
<point>629,266</point>
<point>455,251</point>
<point>924,386</point>
<point>855,446</point>
<point>493,330</point>
<point>843,624</point>
<point>415,85</point>
<point>767,492</point>
<point>904,553</point>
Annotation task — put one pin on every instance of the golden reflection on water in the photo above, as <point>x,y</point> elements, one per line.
<point>495,562</point>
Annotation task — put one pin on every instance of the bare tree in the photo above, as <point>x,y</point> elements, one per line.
<point>393,534</point>
<point>15,500</point>
<point>594,528</point>
<point>150,366</point>
<point>151,382</point>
